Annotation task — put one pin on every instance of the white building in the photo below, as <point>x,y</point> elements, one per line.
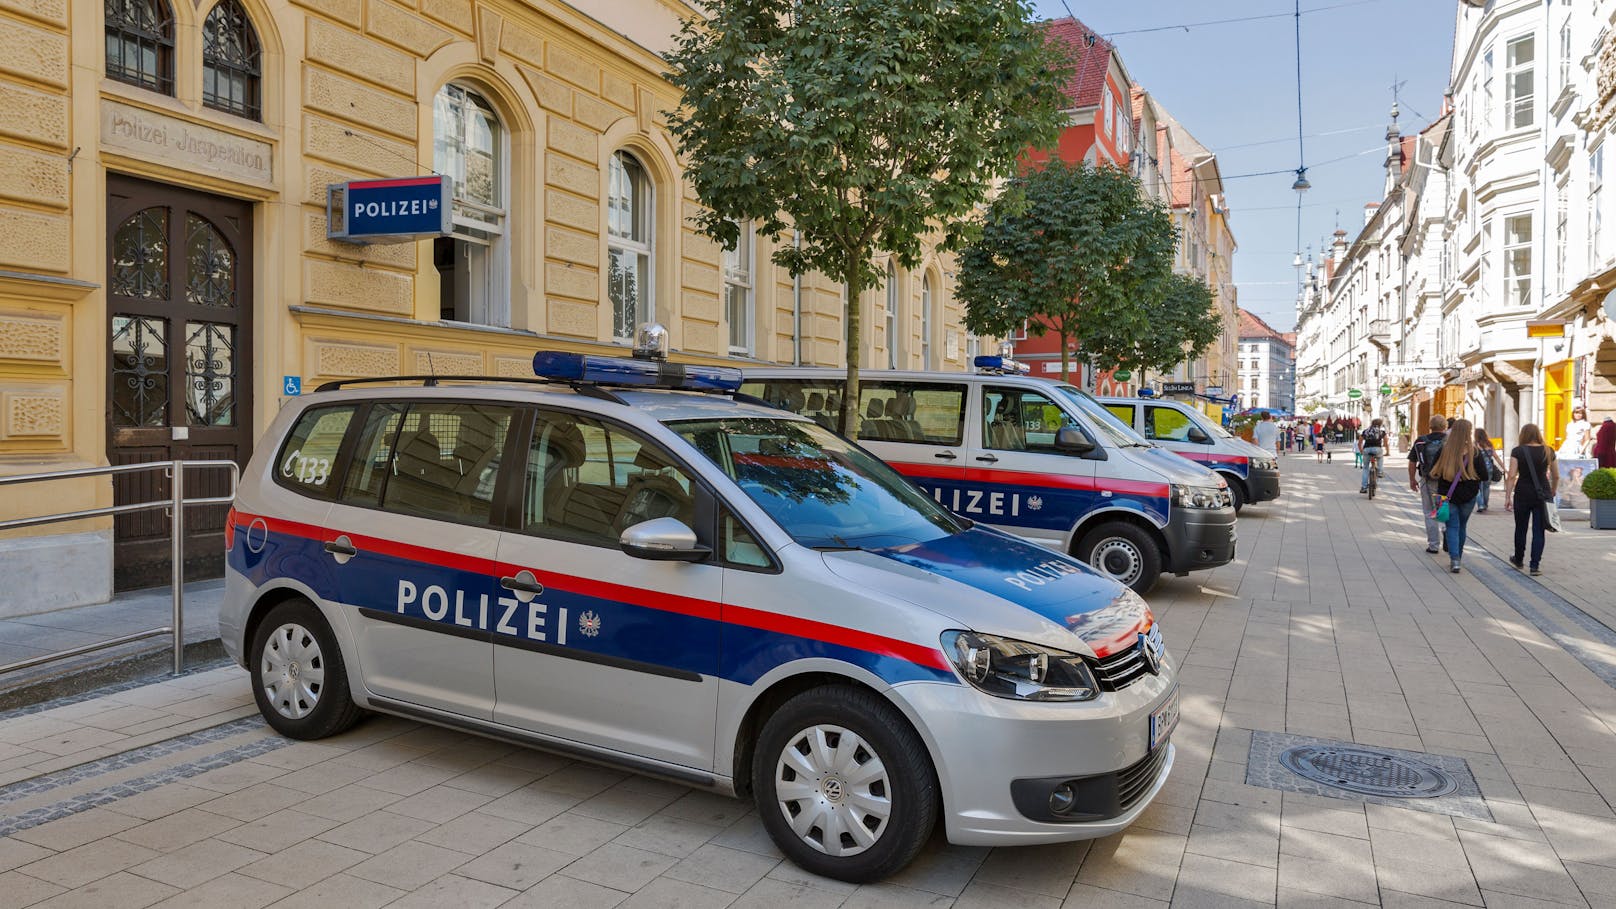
<point>1266,366</point>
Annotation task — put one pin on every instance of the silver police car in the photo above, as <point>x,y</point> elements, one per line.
<point>621,561</point>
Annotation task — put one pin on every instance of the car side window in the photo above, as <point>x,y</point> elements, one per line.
<point>373,454</point>
<point>1123,412</point>
<point>1166,424</point>
<point>444,461</point>
<point>587,481</point>
<point>309,454</point>
<point>740,548</point>
<point>1018,419</point>
<point>919,412</point>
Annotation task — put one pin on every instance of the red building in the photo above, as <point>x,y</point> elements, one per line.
<point>1101,129</point>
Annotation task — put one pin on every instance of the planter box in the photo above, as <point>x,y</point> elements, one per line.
<point>1602,514</point>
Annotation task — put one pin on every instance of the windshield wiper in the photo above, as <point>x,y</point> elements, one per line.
<point>837,547</point>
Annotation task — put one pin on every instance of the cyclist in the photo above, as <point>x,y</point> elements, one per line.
<point>1372,446</point>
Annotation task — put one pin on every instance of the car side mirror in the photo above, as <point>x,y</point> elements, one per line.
<point>1072,439</point>
<point>1199,436</point>
<point>662,540</point>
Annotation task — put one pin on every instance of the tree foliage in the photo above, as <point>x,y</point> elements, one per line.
<point>865,125</point>
<point>1080,251</point>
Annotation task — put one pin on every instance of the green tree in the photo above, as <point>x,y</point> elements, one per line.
<point>863,125</point>
<point>1077,250</point>
<point>1182,325</point>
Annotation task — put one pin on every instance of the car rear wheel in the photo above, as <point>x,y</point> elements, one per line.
<point>298,677</point>
<point>844,785</point>
<point>1124,553</point>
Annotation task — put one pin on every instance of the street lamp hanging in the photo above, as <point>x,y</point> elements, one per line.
<point>1301,185</point>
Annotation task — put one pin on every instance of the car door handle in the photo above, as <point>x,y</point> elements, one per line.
<point>988,458</point>
<point>523,584</point>
<point>342,549</point>
<point>945,455</point>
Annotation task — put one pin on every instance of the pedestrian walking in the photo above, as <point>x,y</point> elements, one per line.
<point>1605,443</point>
<point>1422,457</point>
<point>1457,476</point>
<point>1318,441</point>
<point>1266,434</point>
<point>1371,448</point>
<point>1529,487</point>
<point>1495,470</point>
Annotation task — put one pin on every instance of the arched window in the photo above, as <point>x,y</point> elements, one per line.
<point>892,316</point>
<point>925,322</point>
<point>140,43</point>
<point>468,145</point>
<point>630,204</point>
<point>230,60</point>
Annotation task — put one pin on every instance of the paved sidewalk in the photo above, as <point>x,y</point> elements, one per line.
<point>23,637</point>
<point>1333,624</point>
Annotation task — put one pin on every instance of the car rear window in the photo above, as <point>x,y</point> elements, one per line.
<point>309,454</point>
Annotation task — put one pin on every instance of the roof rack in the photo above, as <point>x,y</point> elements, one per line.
<point>429,381</point>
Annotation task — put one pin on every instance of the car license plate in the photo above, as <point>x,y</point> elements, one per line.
<point>1163,721</point>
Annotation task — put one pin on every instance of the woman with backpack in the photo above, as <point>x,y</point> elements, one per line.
<point>1495,471</point>
<point>1457,477</point>
<point>1531,484</point>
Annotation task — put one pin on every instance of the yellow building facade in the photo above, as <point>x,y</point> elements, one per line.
<point>165,266</point>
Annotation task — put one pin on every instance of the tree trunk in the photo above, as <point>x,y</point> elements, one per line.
<point>1066,354</point>
<point>850,390</point>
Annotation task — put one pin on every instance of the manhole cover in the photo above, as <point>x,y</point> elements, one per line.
<point>1367,772</point>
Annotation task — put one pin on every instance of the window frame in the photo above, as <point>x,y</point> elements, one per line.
<point>1514,103</point>
<point>1513,280</point>
<point>249,70</point>
<point>642,218</point>
<point>161,41</point>
<point>890,315</point>
<point>742,277</point>
<point>474,222</point>
<point>926,316</point>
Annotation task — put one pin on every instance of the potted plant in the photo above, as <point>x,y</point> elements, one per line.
<point>1600,488</point>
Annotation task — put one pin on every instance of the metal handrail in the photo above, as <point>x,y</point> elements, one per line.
<point>176,503</point>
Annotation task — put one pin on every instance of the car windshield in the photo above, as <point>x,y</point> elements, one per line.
<point>820,489</point>
<point>1210,425</point>
<point>1104,421</point>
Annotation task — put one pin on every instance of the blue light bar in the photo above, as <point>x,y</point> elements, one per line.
<point>1001,365</point>
<point>574,367</point>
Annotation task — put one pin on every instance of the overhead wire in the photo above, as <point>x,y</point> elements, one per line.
<point>1186,26</point>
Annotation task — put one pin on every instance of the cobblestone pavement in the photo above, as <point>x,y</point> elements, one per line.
<point>1334,625</point>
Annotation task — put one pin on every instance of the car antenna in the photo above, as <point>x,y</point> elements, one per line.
<point>432,371</point>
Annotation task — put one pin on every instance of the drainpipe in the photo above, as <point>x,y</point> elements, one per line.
<point>796,307</point>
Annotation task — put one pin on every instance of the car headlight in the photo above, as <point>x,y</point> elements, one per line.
<point>1265,463</point>
<point>1018,670</point>
<point>1200,496</point>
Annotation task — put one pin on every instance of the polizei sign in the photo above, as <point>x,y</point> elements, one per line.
<point>388,211</point>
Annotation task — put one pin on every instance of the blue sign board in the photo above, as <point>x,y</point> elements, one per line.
<point>389,211</point>
<point>291,386</point>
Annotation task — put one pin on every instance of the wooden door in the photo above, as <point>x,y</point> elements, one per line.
<point>179,372</point>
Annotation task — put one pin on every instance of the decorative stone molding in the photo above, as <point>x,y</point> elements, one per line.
<point>354,360</point>
<point>35,338</point>
<point>1603,109</point>
<point>448,363</point>
<point>32,414</point>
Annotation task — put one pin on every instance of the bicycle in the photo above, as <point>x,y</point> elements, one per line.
<point>1374,473</point>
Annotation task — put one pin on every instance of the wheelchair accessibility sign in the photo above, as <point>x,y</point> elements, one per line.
<point>292,386</point>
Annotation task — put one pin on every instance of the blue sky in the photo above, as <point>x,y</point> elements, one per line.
<point>1234,84</point>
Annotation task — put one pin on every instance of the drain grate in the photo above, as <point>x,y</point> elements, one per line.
<point>1367,772</point>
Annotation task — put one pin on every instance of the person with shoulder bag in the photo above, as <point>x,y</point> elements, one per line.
<point>1421,456</point>
<point>1495,470</point>
<point>1459,472</point>
<point>1530,488</point>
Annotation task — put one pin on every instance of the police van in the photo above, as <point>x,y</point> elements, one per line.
<point>624,561</point>
<point>1251,472</point>
<point>1037,458</point>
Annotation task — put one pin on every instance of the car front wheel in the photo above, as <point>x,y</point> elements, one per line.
<point>844,784</point>
<point>1124,553</point>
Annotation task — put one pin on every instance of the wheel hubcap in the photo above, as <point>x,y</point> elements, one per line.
<point>292,671</point>
<point>833,789</point>
<point>1119,559</point>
